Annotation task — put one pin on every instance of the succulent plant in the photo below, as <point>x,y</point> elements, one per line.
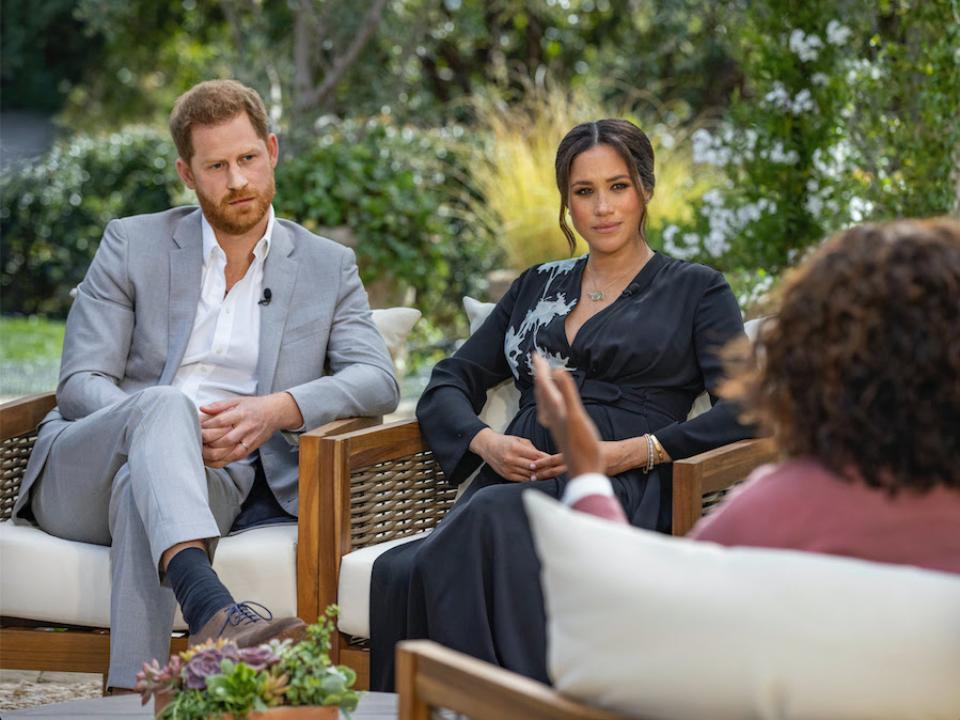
<point>217,677</point>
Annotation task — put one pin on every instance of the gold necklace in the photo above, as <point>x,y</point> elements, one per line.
<point>599,294</point>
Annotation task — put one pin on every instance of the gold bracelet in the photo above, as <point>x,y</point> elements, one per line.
<point>661,453</point>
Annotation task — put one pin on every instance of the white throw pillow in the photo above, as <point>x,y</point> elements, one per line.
<point>503,399</point>
<point>394,325</point>
<point>670,628</point>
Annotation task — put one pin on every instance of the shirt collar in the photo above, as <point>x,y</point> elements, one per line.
<point>210,243</point>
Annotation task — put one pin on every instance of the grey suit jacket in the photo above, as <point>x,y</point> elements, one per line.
<point>134,312</point>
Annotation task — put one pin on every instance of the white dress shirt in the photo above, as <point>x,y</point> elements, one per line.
<point>220,361</point>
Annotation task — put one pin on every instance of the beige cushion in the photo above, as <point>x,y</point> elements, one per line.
<point>394,325</point>
<point>660,627</point>
<point>353,593</point>
<point>503,399</point>
<point>46,578</point>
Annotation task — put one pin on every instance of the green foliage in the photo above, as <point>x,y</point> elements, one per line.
<point>311,678</point>
<point>53,213</point>
<point>30,339</point>
<point>29,355</point>
<point>849,115</point>
<point>41,53</point>
<point>900,114</point>
<point>129,59</point>
<point>404,194</point>
<point>241,681</point>
<point>237,689</point>
<point>432,57</point>
<point>152,52</point>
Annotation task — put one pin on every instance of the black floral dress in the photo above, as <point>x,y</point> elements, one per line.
<point>473,584</point>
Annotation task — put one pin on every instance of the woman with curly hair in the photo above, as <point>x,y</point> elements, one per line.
<point>858,378</point>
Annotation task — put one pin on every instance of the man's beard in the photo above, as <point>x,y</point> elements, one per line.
<point>237,221</point>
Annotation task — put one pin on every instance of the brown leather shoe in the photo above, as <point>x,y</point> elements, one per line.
<point>246,626</point>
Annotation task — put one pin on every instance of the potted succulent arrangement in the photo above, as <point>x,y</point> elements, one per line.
<point>277,681</point>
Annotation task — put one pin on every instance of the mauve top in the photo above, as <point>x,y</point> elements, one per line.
<point>801,505</point>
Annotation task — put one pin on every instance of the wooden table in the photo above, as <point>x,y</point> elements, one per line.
<point>373,706</point>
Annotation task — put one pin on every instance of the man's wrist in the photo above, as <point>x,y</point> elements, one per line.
<point>289,417</point>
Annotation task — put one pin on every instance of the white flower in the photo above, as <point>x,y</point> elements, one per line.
<point>819,79</point>
<point>803,102</point>
<point>778,154</point>
<point>686,248</point>
<point>858,69</point>
<point>837,33</point>
<point>713,197</point>
<point>860,209</point>
<point>702,144</point>
<point>814,204</point>
<point>778,96</point>
<point>715,244</point>
<point>710,150</point>
<point>805,47</point>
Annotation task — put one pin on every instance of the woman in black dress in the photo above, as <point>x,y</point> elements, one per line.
<point>639,332</point>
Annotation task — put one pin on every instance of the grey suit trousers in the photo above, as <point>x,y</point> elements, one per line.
<point>132,476</point>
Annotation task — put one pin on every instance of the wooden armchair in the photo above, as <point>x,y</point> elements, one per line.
<point>431,677</point>
<point>30,645</point>
<point>382,484</point>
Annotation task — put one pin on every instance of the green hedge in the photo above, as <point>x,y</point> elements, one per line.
<point>401,191</point>
<point>53,213</point>
<point>407,198</point>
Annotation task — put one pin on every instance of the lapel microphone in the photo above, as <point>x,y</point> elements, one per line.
<point>267,295</point>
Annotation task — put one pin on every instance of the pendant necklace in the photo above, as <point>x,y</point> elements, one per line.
<point>599,294</point>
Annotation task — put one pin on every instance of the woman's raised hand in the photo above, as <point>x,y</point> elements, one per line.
<point>515,458</point>
<point>560,410</point>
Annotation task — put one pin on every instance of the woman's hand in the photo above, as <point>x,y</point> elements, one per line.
<point>560,410</point>
<point>514,458</point>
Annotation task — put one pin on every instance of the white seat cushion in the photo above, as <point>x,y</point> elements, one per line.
<point>60,581</point>
<point>669,628</point>
<point>353,593</point>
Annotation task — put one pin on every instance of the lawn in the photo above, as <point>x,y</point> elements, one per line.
<point>29,355</point>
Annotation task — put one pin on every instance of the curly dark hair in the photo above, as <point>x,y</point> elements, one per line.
<point>860,366</point>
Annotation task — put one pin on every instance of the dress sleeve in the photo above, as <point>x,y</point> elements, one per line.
<point>457,391</point>
<point>716,321</point>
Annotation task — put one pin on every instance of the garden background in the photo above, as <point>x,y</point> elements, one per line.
<point>422,132</point>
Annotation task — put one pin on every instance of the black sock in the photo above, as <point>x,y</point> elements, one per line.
<point>197,587</point>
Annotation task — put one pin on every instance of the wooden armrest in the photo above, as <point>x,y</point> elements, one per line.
<point>22,415</point>
<point>369,446</point>
<point>357,488</point>
<point>713,471</point>
<point>429,674</point>
<point>343,425</point>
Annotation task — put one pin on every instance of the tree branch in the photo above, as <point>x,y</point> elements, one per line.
<point>318,96</point>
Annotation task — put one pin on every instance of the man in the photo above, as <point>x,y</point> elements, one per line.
<point>194,352</point>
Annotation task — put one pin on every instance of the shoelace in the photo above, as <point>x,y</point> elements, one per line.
<point>243,613</point>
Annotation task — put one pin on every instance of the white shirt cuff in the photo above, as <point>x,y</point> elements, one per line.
<point>584,485</point>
